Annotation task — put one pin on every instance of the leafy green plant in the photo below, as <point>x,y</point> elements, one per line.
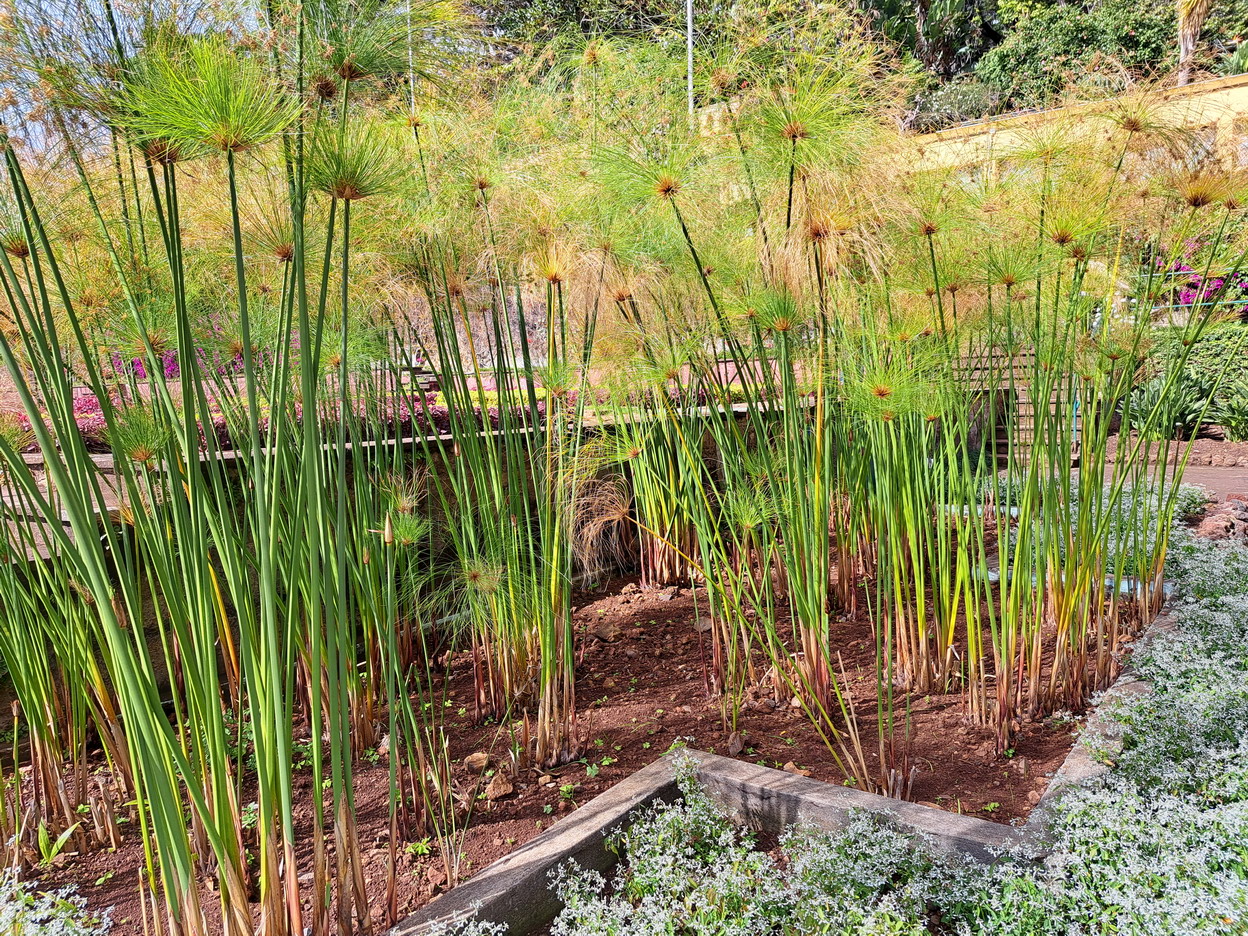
<point>1053,47</point>
<point>1231,409</point>
<point>49,848</point>
<point>1211,374</point>
<point>1183,410</point>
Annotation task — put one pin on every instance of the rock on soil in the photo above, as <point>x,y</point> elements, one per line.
<point>499,787</point>
<point>1225,521</point>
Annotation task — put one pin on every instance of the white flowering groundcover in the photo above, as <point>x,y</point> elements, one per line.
<point>25,910</point>
<point>1158,845</point>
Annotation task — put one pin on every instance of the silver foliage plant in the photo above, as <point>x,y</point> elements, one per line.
<point>27,911</point>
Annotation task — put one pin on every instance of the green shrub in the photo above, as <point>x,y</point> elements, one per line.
<point>1053,47</point>
<point>1183,407</point>
<point>1232,410</point>
<point>1225,29</point>
<point>1219,358</point>
<point>1234,63</point>
<point>1207,356</point>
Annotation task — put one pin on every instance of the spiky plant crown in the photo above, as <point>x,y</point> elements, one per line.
<point>140,435</point>
<point>202,95</point>
<point>356,164</point>
<point>823,118</point>
<point>360,40</point>
<point>661,173</point>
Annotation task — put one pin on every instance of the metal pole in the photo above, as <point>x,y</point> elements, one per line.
<point>689,50</point>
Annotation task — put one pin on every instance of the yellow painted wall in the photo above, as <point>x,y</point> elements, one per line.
<point>1216,112</point>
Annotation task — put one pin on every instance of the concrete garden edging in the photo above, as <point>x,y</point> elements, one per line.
<point>1100,734</point>
<point>515,889</point>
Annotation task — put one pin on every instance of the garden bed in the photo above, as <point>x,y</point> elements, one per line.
<point>1145,836</point>
<point>641,688</point>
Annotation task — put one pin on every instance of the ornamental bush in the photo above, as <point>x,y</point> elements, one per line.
<point>1052,47</point>
<point>1218,359</point>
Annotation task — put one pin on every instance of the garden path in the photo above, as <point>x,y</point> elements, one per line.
<point>1222,483</point>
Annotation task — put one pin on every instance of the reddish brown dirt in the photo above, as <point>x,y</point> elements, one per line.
<point>639,693</point>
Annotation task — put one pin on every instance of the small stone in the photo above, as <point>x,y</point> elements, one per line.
<point>545,780</point>
<point>1033,797</point>
<point>606,631</point>
<point>792,768</point>
<point>499,786</point>
<point>608,683</point>
<point>477,762</point>
<point>736,743</point>
<point>703,624</point>
<point>631,653</point>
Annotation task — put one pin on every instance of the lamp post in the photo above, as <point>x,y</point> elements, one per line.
<point>689,52</point>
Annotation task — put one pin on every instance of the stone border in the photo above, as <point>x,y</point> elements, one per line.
<point>771,800</point>
<point>515,889</point>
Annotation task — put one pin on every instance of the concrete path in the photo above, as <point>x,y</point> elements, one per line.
<point>1221,482</point>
